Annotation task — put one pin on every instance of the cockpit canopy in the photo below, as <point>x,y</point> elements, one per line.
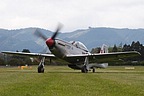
<point>79,45</point>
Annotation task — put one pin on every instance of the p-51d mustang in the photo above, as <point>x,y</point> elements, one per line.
<point>76,54</point>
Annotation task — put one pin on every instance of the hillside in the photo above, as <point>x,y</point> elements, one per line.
<point>12,40</point>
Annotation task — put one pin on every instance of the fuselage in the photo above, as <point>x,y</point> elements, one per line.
<point>63,48</point>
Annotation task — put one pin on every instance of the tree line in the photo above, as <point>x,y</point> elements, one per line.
<point>134,46</point>
<point>17,60</point>
<point>23,60</point>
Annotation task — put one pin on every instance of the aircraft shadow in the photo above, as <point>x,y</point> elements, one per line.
<point>71,72</point>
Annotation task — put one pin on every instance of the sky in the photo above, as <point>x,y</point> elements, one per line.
<point>73,14</point>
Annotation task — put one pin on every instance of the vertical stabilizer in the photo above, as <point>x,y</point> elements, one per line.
<point>104,49</point>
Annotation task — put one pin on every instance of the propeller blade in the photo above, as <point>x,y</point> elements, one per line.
<point>45,50</point>
<point>39,34</point>
<point>57,31</point>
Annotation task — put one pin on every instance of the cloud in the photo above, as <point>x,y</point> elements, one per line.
<point>73,14</point>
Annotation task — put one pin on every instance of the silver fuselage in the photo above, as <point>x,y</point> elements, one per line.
<point>62,49</point>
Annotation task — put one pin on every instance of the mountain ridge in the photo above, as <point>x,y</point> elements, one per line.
<point>19,39</point>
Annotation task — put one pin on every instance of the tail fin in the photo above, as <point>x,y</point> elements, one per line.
<point>104,49</point>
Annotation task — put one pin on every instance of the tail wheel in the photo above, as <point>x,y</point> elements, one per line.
<point>93,70</point>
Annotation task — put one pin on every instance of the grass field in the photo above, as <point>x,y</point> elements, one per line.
<point>62,81</point>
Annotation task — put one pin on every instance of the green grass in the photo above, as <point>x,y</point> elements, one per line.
<point>62,81</point>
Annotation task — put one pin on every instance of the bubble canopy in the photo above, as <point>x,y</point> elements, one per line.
<point>79,45</point>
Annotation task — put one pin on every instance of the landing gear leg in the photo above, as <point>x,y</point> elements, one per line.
<point>85,68</point>
<point>41,66</point>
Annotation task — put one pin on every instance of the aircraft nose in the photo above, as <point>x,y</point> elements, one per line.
<point>50,42</point>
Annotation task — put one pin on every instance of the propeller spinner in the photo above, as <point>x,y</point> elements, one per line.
<point>50,41</point>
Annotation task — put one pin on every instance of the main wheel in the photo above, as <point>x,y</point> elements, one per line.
<point>40,69</point>
<point>84,70</point>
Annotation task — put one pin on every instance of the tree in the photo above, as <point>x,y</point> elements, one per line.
<point>26,60</point>
<point>2,62</point>
<point>115,49</point>
<point>96,50</point>
<point>16,62</point>
<point>135,46</point>
<point>126,48</point>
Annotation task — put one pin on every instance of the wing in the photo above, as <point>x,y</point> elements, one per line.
<point>111,57</point>
<point>29,54</point>
<point>102,58</point>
